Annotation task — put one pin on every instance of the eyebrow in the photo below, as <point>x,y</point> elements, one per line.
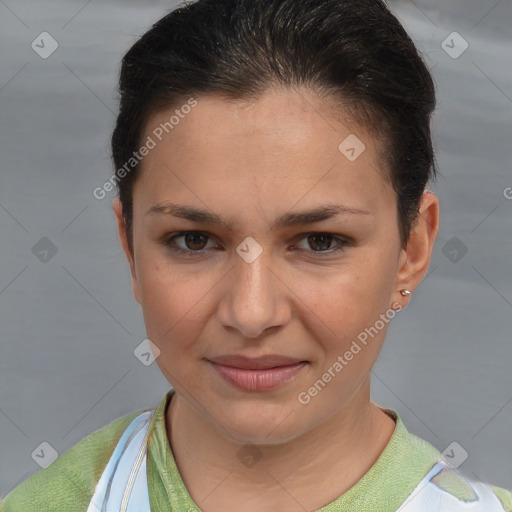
<point>286,220</point>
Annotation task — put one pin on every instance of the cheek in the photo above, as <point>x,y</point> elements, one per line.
<point>350,304</point>
<point>167,302</point>
<point>351,296</point>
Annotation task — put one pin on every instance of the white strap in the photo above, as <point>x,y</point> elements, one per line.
<point>429,497</point>
<point>123,486</point>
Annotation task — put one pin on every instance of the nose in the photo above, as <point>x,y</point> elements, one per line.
<point>254,300</point>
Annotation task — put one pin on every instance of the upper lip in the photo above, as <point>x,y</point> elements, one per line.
<point>256,363</point>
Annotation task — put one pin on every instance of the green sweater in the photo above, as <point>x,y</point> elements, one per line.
<point>68,484</point>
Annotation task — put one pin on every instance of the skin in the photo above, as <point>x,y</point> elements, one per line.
<point>251,162</point>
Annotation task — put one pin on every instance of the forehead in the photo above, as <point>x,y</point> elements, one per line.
<point>284,144</point>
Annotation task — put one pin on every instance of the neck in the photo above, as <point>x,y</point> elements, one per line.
<point>306,472</point>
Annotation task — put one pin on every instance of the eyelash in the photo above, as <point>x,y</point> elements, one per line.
<point>168,240</point>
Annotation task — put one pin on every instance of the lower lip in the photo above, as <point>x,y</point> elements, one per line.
<point>258,380</point>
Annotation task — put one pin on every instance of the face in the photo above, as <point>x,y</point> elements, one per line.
<point>265,280</point>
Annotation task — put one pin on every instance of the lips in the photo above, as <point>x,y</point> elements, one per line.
<point>257,374</point>
<point>258,363</point>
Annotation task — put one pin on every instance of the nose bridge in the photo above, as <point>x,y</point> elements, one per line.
<point>253,284</point>
<point>251,302</point>
<point>253,277</point>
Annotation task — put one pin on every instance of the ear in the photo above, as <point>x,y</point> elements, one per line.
<point>415,258</point>
<point>121,229</point>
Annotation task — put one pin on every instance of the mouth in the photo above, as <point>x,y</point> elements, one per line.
<point>256,363</point>
<point>257,374</point>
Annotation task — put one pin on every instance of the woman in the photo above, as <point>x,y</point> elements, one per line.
<point>272,159</point>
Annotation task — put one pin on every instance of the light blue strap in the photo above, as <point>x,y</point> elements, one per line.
<point>123,486</point>
<point>430,497</point>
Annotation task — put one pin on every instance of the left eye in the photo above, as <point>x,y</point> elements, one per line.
<point>195,242</point>
<point>321,242</point>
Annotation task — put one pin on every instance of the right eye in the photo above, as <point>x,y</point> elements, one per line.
<point>191,240</point>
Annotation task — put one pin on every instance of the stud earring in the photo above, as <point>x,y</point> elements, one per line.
<point>405,292</point>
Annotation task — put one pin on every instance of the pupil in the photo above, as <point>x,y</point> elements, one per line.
<point>193,237</point>
<point>323,239</point>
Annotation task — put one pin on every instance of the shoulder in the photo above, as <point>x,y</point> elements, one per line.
<point>443,487</point>
<point>504,496</point>
<point>455,490</point>
<point>69,482</point>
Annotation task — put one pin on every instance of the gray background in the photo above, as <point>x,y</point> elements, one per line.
<point>69,326</point>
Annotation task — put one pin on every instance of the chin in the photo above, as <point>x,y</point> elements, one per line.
<point>255,427</point>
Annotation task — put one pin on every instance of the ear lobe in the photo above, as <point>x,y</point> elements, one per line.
<point>123,238</point>
<point>415,258</point>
